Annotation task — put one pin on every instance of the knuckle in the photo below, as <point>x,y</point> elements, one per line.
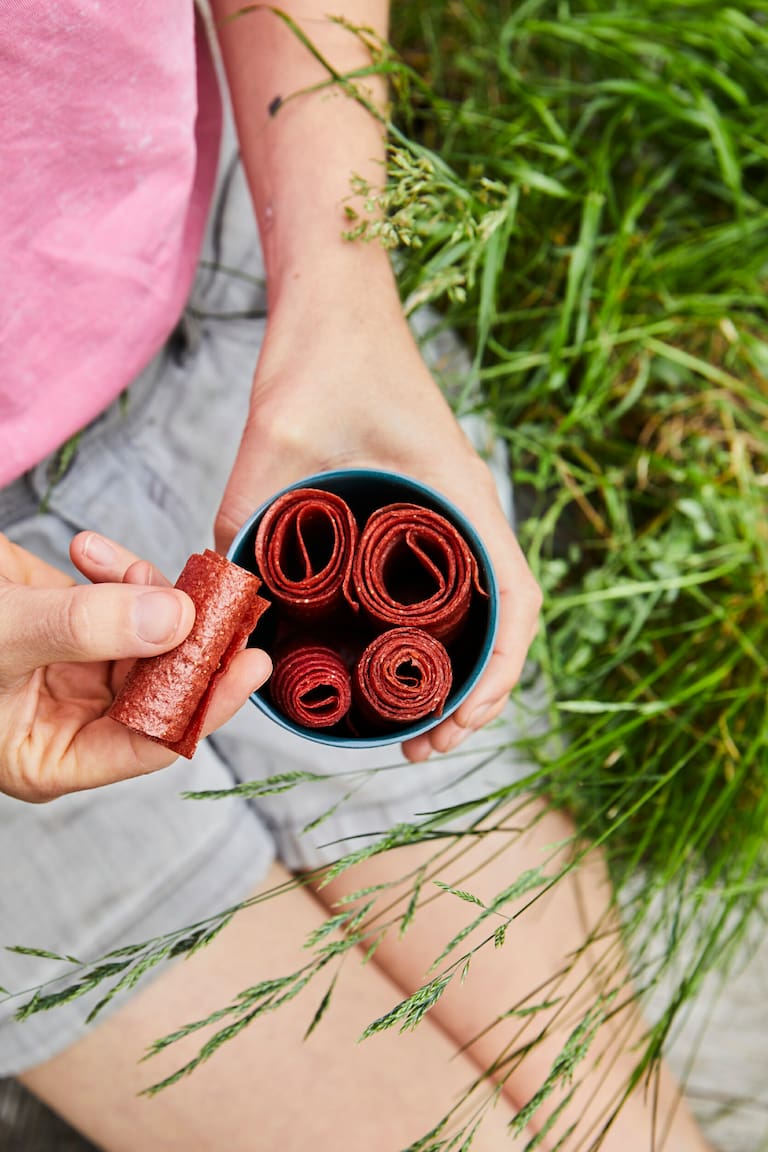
<point>495,710</point>
<point>529,595</point>
<point>486,479</point>
<point>22,779</point>
<point>37,793</point>
<point>536,596</point>
<point>76,624</point>
<point>7,592</point>
<point>480,478</point>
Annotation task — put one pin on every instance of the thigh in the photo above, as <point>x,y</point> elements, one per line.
<point>515,1004</point>
<point>269,1087</point>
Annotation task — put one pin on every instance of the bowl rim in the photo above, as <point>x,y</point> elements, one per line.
<point>455,700</point>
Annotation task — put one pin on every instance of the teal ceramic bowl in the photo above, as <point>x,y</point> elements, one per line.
<point>365,490</point>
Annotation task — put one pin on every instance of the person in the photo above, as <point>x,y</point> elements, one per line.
<point>113,140</point>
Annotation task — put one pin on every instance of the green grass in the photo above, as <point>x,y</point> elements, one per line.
<point>585,200</point>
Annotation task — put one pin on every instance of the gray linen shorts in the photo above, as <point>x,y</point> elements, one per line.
<point>96,870</point>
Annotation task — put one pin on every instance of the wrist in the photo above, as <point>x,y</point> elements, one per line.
<point>345,280</point>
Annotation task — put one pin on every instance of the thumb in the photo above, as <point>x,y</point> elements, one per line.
<point>40,626</point>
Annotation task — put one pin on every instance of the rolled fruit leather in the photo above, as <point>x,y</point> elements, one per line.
<point>166,697</point>
<point>413,568</point>
<point>403,675</point>
<point>410,566</point>
<point>304,550</point>
<point>311,685</point>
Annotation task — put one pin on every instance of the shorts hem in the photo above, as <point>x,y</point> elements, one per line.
<point>204,891</point>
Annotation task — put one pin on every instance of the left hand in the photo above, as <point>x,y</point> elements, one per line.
<point>350,389</point>
<point>65,650</point>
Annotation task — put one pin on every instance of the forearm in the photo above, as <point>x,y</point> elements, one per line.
<point>300,151</point>
<point>340,381</point>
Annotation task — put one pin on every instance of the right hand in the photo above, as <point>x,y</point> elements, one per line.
<point>341,383</point>
<point>64,651</point>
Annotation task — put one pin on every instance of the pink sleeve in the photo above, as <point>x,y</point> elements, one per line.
<point>110,118</point>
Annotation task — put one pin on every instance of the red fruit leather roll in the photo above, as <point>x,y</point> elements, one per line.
<point>166,697</point>
<point>304,548</point>
<point>403,675</point>
<point>311,685</point>
<point>414,568</point>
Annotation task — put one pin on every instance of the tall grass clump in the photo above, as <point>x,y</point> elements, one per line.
<point>585,195</point>
<point>580,190</point>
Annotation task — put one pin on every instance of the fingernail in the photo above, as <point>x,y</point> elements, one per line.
<point>456,737</point>
<point>479,716</point>
<point>157,616</point>
<point>99,551</point>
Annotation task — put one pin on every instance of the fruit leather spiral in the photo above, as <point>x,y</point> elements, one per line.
<point>304,549</point>
<point>311,685</point>
<point>414,568</point>
<point>403,675</point>
<point>166,697</point>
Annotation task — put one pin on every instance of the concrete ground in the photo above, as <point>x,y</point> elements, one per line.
<point>722,1053</point>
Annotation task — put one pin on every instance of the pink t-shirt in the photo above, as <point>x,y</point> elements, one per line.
<point>110,118</point>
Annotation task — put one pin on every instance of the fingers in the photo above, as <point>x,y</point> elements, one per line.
<point>87,623</point>
<point>447,735</point>
<point>519,606</point>
<point>103,561</point>
<point>104,751</point>
<point>249,669</point>
<point>236,507</point>
<point>469,484</point>
<point>518,621</point>
<point>129,611</point>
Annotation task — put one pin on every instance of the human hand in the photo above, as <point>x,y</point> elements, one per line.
<point>351,390</point>
<point>64,651</point>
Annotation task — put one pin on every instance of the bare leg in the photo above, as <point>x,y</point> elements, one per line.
<point>545,957</point>
<point>266,1089</point>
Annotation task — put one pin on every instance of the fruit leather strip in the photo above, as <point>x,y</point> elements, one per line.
<point>311,685</point>
<point>304,548</point>
<point>403,675</point>
<point>414,568</point>
<point>166,697</point>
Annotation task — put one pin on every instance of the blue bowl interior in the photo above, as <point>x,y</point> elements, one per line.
<point>365,490</point>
